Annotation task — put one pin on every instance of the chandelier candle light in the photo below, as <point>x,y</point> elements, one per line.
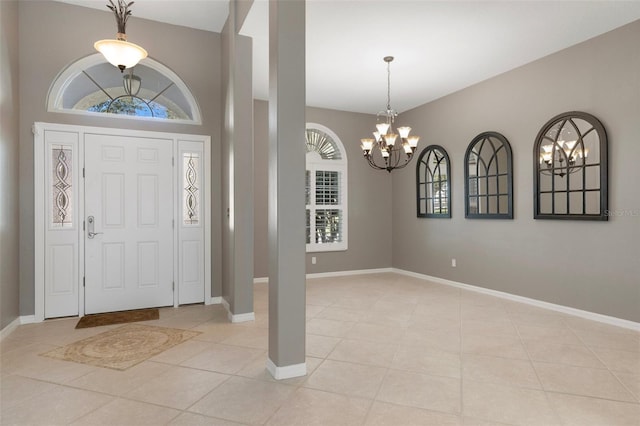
<point>120,52</point>
<point>396,153</point>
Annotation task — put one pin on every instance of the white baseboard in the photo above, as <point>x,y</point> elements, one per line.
<point>9,328</point>
<point>249,316</point>
<point>236,318</point>
<point>619,322</point>
<point>260,280</point>
<point>226,305</point>
<point>28,319</point>
<point>215,300</point>
<point>286,372</point>
<point>348,273</point>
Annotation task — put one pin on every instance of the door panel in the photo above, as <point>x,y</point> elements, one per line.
<point>129,195</point>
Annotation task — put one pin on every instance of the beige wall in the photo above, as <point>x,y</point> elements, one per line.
<point>587,265</point>
<point>369,196</point>
<point>9,146</point>
<point>53,35</point>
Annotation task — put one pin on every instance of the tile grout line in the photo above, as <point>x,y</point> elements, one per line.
<point>612,372</point>
<point>547,398</point>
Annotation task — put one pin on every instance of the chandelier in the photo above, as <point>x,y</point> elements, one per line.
<point>563,157</point>
<point>395,153</point>
<point>120,52</point>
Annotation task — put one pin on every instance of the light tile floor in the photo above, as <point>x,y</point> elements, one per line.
<point>383,349</point>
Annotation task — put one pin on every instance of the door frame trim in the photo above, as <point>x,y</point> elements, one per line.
<point>40,206</point>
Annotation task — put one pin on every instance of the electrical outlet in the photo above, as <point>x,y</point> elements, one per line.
<point>313,260</point>
<point>453,263</point>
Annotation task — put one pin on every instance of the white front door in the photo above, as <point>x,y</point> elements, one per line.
<point>129,214</point>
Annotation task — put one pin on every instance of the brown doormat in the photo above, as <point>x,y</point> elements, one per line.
<point>96,320</point>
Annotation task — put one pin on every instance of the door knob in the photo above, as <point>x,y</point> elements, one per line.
<point>90,228</point>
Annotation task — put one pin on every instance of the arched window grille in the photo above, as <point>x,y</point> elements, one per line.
<point>488,177</point>
<point>325,190</point>
<point>433,183</point>
<point>570,168</point>
<point>149,91</point>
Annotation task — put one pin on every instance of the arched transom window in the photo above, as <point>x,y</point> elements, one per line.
<point>149,91</point>
<point>325,190</point>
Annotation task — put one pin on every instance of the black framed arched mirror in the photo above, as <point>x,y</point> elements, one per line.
<point>433,183</point>
<point>488,174</point>
<point>570,168</point>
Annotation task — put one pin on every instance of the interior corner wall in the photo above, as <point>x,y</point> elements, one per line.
<point>9,143</point>
<point>369,193</point>
<point>586,265</point>
<point>53,35</point>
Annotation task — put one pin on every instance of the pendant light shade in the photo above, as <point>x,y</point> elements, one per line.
<point>119,52</point>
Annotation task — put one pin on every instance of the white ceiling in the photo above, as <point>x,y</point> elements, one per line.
<point>440,46</point>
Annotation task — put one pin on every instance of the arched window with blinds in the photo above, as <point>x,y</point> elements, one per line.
<point>325,190</point>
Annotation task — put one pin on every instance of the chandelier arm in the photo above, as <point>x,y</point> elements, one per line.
<point>407,161</point>
<point>396,157</point>
<point>392,163</point>
<point>373,164</point>
<point>397,154</point>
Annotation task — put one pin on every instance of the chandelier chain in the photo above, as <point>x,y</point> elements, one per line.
<point>388,86</point>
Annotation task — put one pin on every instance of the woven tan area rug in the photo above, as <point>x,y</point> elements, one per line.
<point>122,347</point>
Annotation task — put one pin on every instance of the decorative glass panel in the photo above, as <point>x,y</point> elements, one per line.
<point>570,163</point>
<point>433,185</point>
<point>488,177</point>
<point>62,186</point>
<point>191,185</point>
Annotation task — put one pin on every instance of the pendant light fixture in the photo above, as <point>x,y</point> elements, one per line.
<point>396,153</point>
<point>120,52</point>
<point>131,83</point>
